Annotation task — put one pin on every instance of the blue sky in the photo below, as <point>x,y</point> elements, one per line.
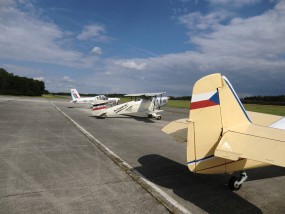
<point>130,46</point>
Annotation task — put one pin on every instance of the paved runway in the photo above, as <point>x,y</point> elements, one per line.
<point>48,165</point>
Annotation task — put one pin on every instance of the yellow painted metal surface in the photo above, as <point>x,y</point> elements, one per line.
<point>221,136</point>
<point>231,111</point>
<point>175,126</point>
<point>242,164</point>
<point>177,129</point>
<point>263,119</point>
<point>253,142</point>
<point>206,128</point>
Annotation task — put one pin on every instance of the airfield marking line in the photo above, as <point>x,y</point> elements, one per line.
<point>170,203</point>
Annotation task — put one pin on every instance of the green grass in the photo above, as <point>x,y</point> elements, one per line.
<point>267,109</point>
<point>124,99</point>
<point>178,103</point>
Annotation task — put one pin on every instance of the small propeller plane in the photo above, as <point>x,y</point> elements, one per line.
<point>149,103</point>
<point>221,137</point>
<point>91,100</point>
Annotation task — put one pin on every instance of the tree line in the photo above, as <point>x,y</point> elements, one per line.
<point>262,100</point>
<point>265,100</point>
<point>11,84</point>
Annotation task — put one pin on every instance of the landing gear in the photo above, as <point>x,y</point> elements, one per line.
<point>157,116</point>
<point>236,183</point>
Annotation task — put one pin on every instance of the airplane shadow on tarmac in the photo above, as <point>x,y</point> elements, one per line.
<point>209,192</point>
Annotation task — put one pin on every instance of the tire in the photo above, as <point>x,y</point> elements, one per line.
<point>158,118</point>
<point>149,115</point>
<point>233,183</point>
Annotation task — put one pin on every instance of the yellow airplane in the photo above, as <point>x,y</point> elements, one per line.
<point>221,138</point>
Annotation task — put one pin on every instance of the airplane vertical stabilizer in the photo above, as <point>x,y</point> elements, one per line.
<point>74,94</point>
<point>214,108</point>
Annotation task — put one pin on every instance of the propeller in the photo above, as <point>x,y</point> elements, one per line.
<point>154,102</point>
<point>160,102</point>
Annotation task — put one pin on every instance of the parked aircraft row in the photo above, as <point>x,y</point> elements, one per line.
<point>149,103</point>
<point>220,136</point>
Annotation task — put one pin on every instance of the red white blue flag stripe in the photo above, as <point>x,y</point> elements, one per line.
<point>205,100</point>
<point>100,107</point>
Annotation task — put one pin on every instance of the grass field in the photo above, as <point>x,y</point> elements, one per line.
<point>267,109</point>
<point>178,103</point>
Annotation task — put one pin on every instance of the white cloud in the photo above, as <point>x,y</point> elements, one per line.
<point>94,31</point>
<point>249,51</point>
<point>132,65</point>
<point>68,79</point>
<point>96,51</point>
<point>197,21</point>
<point>22,71</point>
<point>233,3</point>
<point>259,37</point>
<point>26,35</point>
<point>39,78</point>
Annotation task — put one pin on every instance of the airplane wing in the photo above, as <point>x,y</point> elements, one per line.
<point>145,94</point>
<point>280,124</point>
<point>259,143</point>
<point>263,119</point>
<point>101,102</point>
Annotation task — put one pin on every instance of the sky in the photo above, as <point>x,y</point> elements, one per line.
<point>135,46</point>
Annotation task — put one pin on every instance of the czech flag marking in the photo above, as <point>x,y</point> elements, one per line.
<point>205,100</point>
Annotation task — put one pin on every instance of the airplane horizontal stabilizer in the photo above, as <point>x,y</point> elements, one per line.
<point>253,142</point>
<point>177,129</point>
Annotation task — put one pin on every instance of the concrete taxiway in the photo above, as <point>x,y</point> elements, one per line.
<point>48,165</point>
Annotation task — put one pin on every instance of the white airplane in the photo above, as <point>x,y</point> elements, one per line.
<point>222,138</point>
<point>91,100</point>
<point>149,103</point>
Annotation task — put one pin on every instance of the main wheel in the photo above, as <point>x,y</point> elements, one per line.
<point>158,117</point>
<point>234,183</point>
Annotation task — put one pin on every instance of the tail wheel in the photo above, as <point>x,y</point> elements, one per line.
<point>158,117</point>
<point>234,183</point>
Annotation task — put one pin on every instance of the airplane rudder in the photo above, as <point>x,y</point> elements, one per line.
<point>232,110</point>
<point>72,92</point>
<point>205,126</point>
<point>76,94</point>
